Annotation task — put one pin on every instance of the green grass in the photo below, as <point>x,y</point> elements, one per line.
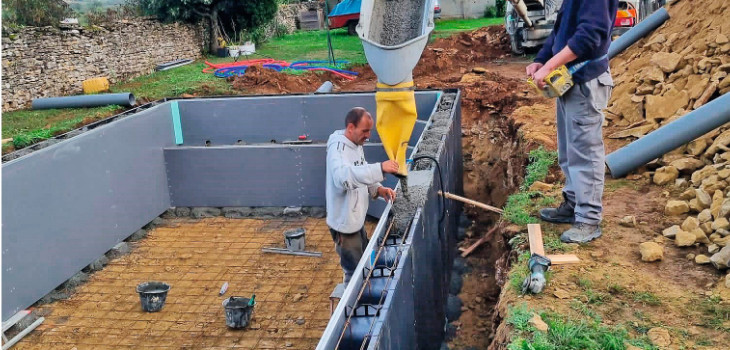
<point>567,334</point>
<point>519,272</point>
<point>448,27</point>
<point>716,313</point>
<point>613,185</point>
<point>646,298</point>
<point>540,162</point>
<point>519,317</point>
<point>518,208</point>
<point>34,126</point>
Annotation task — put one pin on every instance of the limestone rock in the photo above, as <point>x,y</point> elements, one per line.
<point>663,107</point>
<point>688,194</point>
<point>561,294</point>
<point>665,175</point>
<point>713,248</point>
<point>698,146</point>
<point>724,173</point>
<point>685,239</point>
<point>704,216</point>
<point>687,164</point>
<point>725,208</point>
<point>720,224</point>
<point>697,85</point>
<point>716,205</point>
<point>721,241</point>
<point>540,186</point>
<point>671,232</point>
<point>667,61</point>
<point>674,207</point>
<point>659,337</point>
<point>652,73</point>
<point>720,141</point>
<point>703,198</point>
<point>721,259</point>
<point>681,183</point>
<point>651,251</point>
<point>706,227</point>
<point>537,322</point>
<point>690,224</point>
<point>628,221</point>
<point>713,183</point>
<point>703,173</point>
<point>700,236</point>
<point>702,259</point>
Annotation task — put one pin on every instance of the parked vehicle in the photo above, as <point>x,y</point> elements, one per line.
<point>543,13</point>
<point>347,14</point>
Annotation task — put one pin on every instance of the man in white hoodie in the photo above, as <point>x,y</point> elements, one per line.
<point>350,182</point>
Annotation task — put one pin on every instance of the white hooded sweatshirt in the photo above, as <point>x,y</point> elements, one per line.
<point>349,181</point>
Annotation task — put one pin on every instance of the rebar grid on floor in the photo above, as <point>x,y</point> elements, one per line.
<point>196,257</point>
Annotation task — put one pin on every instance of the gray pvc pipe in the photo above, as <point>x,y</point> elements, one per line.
<point>670,136</point>
<point>639,31</point>
<point>325,88</point>
<point>122,99</point>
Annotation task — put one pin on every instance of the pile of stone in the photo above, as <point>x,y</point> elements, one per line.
<point>683,65</point>
<point>706,198</point>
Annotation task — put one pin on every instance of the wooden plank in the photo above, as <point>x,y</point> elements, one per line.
<point>484,238</point>
<point>534,234</point>
<point>563,259</point>
<point>472,202</point>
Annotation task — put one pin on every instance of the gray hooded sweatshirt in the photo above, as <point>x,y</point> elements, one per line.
<point>350,181</point>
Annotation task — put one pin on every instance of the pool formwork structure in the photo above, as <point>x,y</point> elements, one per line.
<point>74,198</point>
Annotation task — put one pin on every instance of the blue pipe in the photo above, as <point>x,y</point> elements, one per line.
<point>670,136</point>
<point>639,31</point>
<point>122,99</point>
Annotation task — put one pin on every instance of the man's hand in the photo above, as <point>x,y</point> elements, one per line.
<point>389,167</point>
<point>387,193</point>
<point>531,69</point>
<point>540,75</point>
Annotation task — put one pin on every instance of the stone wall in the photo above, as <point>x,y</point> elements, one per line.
<point>44,62</point>
<point>464,8</point>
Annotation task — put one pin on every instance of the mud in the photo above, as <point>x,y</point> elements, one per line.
<point>404,208</point>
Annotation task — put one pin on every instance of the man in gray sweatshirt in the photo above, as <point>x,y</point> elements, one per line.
<point>351,181</point>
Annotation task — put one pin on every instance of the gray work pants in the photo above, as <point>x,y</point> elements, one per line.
<point>580,146</point>
<point>350,247</point>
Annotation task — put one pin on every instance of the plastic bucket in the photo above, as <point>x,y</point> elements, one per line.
<point>238,312</point>
<point>294,239</point>
<point>152,295</point>
<point>248,48</point>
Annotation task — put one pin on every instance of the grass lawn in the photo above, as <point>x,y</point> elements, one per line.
<point>27,126</point>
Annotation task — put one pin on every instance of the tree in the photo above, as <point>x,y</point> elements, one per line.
<point>34,12</point>
<point>222,16</point>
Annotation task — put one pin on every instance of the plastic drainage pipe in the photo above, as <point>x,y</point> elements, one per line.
<point>641,30</point>
<point>669,137</point>
<point>325,88</point>
<point>122,99</point>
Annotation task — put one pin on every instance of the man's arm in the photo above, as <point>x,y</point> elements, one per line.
<point>594,23</point>
<point>350,177</point>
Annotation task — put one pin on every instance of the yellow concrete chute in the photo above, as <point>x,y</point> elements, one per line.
<point>395,118</point>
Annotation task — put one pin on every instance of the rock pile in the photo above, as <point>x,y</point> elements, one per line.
<point>683,65</point>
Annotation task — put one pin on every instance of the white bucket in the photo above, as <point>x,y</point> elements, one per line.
<point>233,51</point>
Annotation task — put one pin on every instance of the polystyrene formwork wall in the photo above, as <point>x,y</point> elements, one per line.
<point>413,313</point>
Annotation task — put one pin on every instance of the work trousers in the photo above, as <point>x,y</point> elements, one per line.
<point>580,146</point>
<point>350,247</point>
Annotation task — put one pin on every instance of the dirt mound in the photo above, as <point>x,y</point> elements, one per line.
<point>267,81</point>
<point>463,49</point>
<point>678,68</point>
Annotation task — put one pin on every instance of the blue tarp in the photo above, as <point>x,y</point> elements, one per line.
<point>346,7</point>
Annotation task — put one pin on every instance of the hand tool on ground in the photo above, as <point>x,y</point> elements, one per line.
<point>291,252</point>
<point>535,282</point>
<point>224,288</point>
<point>559,81</point>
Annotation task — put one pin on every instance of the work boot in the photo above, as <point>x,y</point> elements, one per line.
<point>581,233</point>
<point>564,214</point>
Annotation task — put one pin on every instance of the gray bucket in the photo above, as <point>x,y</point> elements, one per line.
<point>152,295</point>
<point>238,312</point>
<point>294,239</point>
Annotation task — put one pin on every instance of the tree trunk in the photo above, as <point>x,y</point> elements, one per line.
<point>215,32</point>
